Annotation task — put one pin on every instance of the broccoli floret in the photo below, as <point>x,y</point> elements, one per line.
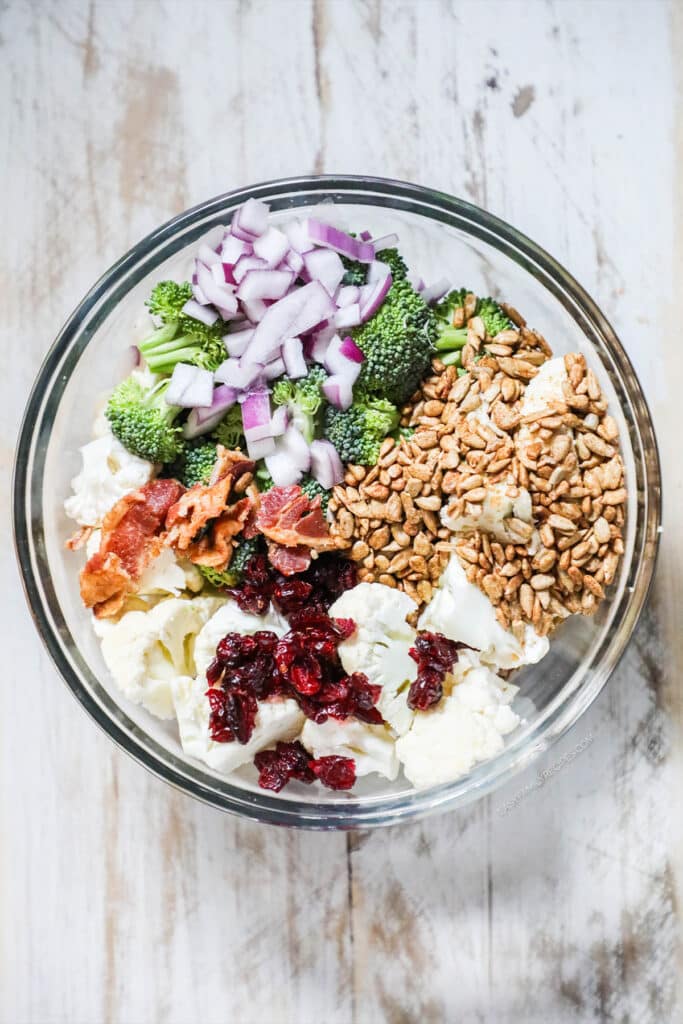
<point>264,480</point>
<point>232,576</point>
<point>304,398</point>
<point>143,421</point>
<point>357,433</point>
<point>163,349</point>
<point>355,272</point>
<point>397,344</point>
<point>195,343</point>
<point>495,319</point>
<point>311,488</point>
<point>230,430</point>
<point>395,262</point>
<point>194,464</point>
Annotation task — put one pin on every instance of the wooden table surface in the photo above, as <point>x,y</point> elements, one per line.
<point>123,901</point>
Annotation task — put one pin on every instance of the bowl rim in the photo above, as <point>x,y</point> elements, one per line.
<point>375,811</point>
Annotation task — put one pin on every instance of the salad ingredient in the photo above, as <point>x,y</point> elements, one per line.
<point>335,772</point>
<point>289,517</point>
<point>460,611</point>
<point>370,747</point>
<point>231,618</point>
<point>108,472</point>
<point>165,348</point>
<point>327,469</point>
<point>466,727</point>
<point>504,507</point>
<point>168,301</point>
<point>206,418</point>
<point>190,387</point>
<point>332,238</point>
<point>357,433</point>
<point>131,538</point>
<point>146,651</point>
<point>143,421</point>
<point>397,344</point>
<point>277,767</point>
<point>230,431</point>
<point>380,646</point>
<point>435,656</point>
<point>243,552</point>
<point>303,399</point>
<point>194,464</point>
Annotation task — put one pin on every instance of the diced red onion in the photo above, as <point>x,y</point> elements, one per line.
<point>232,248</point>
<point>325,266</point>
<point>260,449</point>
<point>236,343</point>
<point>190,387</point>
<point>275,368</point>
<point>436,291</point>
<point>326,466</point>
<point>332,238</point>
<point>292,316</point>
<point>256,415</point>
<point>372,297</point>
<point>132,358</point>
<point>349,349</point>
<point>293,356</point>
<point>338,391</point>
<point>271,246</point>
<point>219,294</point>
<point>296,446</point>
<point>238,373</point>
<point>245,264</point>
<point>298,236</point>
<point>349,316</point>
<point>377,271</point>
<point>227,273</point>
<point>340,364</point>
<point>365,236</point>
<point>279,421</point>
<point>294,261</point>
<point>385,242</point>
<point>251,219</point>
<point>264,284</point>
<point>201,421</point>
<point>415,280</point>
<point>202,313</point>
<point>199,294</point>
<point>347,295</point>
<point>207,256</point>
<point>255,309</point>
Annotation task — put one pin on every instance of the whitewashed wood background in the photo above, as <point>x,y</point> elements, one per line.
<point>122,901</point>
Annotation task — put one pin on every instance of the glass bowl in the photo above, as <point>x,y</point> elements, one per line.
<point>439,235</point>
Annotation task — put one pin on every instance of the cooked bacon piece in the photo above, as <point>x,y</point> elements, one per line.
<point>289,517</point>
<point>131,538</point>
<point>289,560</point>
<point>201,524</point>
<point>79,539</point>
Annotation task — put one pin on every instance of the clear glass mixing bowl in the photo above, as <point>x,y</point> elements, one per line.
<point>440,235</point>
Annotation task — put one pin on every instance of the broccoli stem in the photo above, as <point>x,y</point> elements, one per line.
<point>452,358</point>
<point>452,338</point>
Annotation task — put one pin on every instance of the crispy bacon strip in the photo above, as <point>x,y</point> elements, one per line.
<point>289,560</point>
<point>287,516</point>
<point>132,536</point>
<point>202,524</point>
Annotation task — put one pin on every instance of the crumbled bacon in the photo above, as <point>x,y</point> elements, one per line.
<point>202,524</point>
<point>294,526</point>
<point>132,536</point>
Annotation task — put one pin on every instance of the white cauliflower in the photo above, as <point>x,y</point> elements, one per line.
<point>380,644</point>
<point>146,651</point>
<point>109,471</point>
<point>231,619</point>
<point>372,747</point>
<point>466,727</point>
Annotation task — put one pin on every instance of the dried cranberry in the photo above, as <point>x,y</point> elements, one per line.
<point>435,656</point>
<point>290,594</point>
<point>219,730</point>
<point>277,767</point>
<point>241,709</point>
<point>335,772</point>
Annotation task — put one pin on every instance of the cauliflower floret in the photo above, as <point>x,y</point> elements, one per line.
<point>231,619</point>
<point>109,471</point>
<point>544,393</point>
<point>372,747</point>
<point>380,644</point>
<point>466,727</point>
<point>502,501</point>
<point>146,651</point>
<point>460,611</point>
<point>276,720</point>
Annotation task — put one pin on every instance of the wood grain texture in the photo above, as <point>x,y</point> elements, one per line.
<point>122,901</point>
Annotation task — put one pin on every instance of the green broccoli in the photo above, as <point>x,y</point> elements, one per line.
<point>163,349</point>
<point>397,343</point>
<point>304,398</point>
<point>449,338</point>
<point>195,463</point>
<point>355,272</point>
<point>264,480</point>
<point>143,421</point>
<point>395,262</point>
<point>311,488</point>
<point>232,576</point>
<point>230,430</point>
<point>495,319</point>
<point>357,433</point>
<point>196,343</point>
